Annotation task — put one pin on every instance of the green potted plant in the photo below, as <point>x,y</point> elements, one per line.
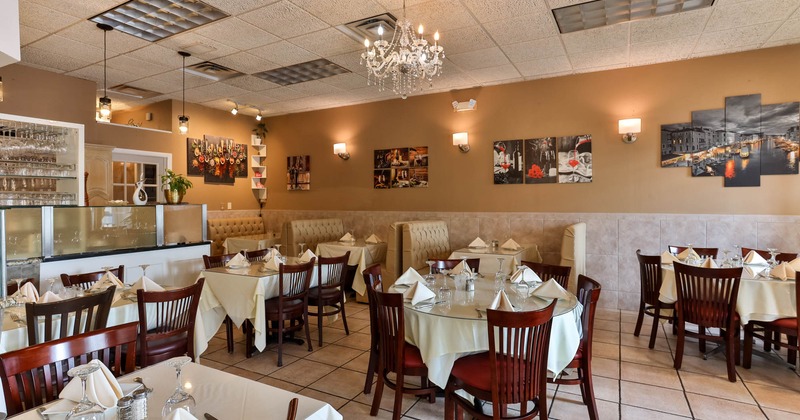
<point>175,186</point>
<point>261,131</point>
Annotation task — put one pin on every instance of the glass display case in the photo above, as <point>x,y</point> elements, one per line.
<point>41,162</point>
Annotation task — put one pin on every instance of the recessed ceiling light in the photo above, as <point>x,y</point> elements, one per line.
<point>595,14</point>
<point>153,20</point>
<point>303,72</point>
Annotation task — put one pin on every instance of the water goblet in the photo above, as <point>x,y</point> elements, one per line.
<point>179,398</point>
<point>726,262</point>
<point>430,278</point>
<point>499,277</point>
<point>773,252</point>
<point>302,246</point>
<point>521,289</point>
<point>86,409</point>
<point>736,260</point>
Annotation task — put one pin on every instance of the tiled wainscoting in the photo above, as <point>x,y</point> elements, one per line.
<point>612,239</point>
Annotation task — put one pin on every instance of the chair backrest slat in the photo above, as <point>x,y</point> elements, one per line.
<point>86,313</point>
<point>707,296</point>
<point>549,271</point>
<point>391,329</point>
<point>332,271</point>
<point>449,264</point>
<point>650,276</point>
<point>86,280</point>
<point>295,280</point>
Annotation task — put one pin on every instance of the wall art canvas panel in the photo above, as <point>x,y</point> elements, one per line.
<point>418,156</point>
<point>780,124</point>
<point>541,163</point>
<point>402,167</point>
<point>381,179</point>
<point>509,165</point>
<point>743,128</point>
<point>298,173</point>
<point>418,178</point>
<point>675,139</point>
<point>223,160</point>
<point>195,157</point>
<point>574,159</point>
<point>707,143</point>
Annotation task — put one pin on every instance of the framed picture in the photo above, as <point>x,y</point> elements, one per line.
<point>218,160</point>
<point>574,159</point>
<point>401,167</point>
<point>508,162</point>
<point>541,164</point>
<point>298,173</point>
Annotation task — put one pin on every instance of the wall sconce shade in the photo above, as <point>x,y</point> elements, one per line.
<point>629,128</point>
<point>462,141</point>
<point>340,149</point>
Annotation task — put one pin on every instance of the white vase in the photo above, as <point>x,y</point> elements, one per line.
<point>139,195</point>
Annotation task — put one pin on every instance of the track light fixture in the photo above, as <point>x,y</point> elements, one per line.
<point>235,109</point>
<point>259,117</point>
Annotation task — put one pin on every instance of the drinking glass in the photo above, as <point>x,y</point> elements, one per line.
<point>499,277</point>
<point>521,290</point>
<point>445,293</point>
<point>430,278</point>
<point>180,398</point>
<point>85,409</point>
<point>19,286</point>
<point>736,260</point>
<point>726,262</point>
<point>773,252</point>
<point>302,246</point>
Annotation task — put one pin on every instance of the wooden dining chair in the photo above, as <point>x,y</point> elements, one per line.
<point>257,255</point>
<point>86,280</point>
<point>373,280</point>
<point>68,317</point>
<point>291,304</point>
<point>707,298</point>
<point>329,291</point>
<point>548,271</point>
<point>292,413</point>
<point>703,252</point>
<point>11,288</point>
<point>396,356</point>
<point>214,261</point>
<point>166,323</point>
<point>513,371</point>
<point>36,374</point>
<point>781,257</point>
<point>588,295</point>
<point>650,285</point>
<point>771,331</point>
<point>444,264</point>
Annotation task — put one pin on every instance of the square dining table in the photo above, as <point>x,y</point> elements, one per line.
<point>490,257</point>
<point>362,255</point>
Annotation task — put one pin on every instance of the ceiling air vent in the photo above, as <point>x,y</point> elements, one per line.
<point>132,91</point>
<point>213,71</point>
<point>368,27</point>
<point>594,14</point>
<point>303,72</point>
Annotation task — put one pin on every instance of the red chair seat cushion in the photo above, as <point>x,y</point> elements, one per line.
<point>474,370</point>
<point>412,358</point>
<point>787,323</point>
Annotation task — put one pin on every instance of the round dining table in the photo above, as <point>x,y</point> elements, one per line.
<point>443,333</point>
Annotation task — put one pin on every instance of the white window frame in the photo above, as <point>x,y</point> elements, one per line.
<point>163,161</point>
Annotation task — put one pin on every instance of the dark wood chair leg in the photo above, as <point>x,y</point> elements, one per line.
<point>656,323</point>
<point>748,346</point>
<point>730,348</point>
<point>639,320</point>
<point>249,338</point>
<point>280,342</point>
<point>376,399</point>
<point>591,403</point>
<point>701,341</point>
<point>344,318</point>
<point>679,347</point>
<point>397,409</point>
<point>308,330</point>
<point>791,356</point>
<point>373,362</point>
<point>319,322</point>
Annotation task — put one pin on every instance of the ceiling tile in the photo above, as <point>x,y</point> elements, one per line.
<point>596,39</point>
<point>495,74</point>
<point>347,81</point>
<point>201,47</point>
<point>281,94</point>
<point>57,62</point>
<point>250,83</point>
<point>337,12</point>
<point>780,42</point>
<point>79,8</point>
<point>238,6</point>
<point>735,38</point>
<point>77,50</point>
<point>237,33</point>
<point>327,42</point>
<point>489,57</point>
<point>175,77</point>
<point>728,50</point>
<point>679,25</point>
<point>662,51</point>
<point>155,85</point>
<point>736,15</point>
<point>284,19</point>
<point>28,35</point>
<point>43,18</point>
<point>246,63</point>
<point>789,30</point>
<point>437,15</point>
<point>155,53</point>
<point>522,28</point>
<point>284,53</point>
<point>137,67</point>
<point>315,87</point>
<point>488,11</point>
<point>221,104</point>
<point>95,73</point>
<point>545,66</point>
<point>351,61</point>
<point>212,91</point>
<point>87,32</point>
<point>603,58</point>
<point>530,50</point>
<point>557,4</point>
<point>470,38</point>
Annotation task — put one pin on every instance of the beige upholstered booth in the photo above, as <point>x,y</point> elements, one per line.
<point>573,252</point>
<point>311,232</point>
<point>221,229</point>
<point>413,243</point>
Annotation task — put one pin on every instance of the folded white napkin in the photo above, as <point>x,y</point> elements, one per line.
<point>783,271</point>
<point>108,280</point>
<point>238,260</point>
<point>526,275</point>
<point>551,290</point>
<point>502,303</point>
<point>461,267</point>
<point>373,239</point>
<point>689,253</point>
<point>273,264</point>
<point>511,244</point>
<point>48,297</point>
<point>477,243</point>
<point>409,277</point>
<point>27,293</point>
<point>709,263</point>
<point>795,263</point>
<point>347,238</point>
<point>307,256</point>
<point>751,272</point>
<point>417,293</point>
<point>754,257</point>
<point>101,387</point>
<point>147,285</point>
<point>667,258</point>
<point>180,414</point>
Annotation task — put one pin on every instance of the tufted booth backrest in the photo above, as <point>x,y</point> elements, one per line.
<point>311,232</point>
<point>221,229</point>
<point>573,252</point>
<point>422,241</point>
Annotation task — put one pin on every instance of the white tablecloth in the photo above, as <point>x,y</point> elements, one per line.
<point>489,257</point>
<point>220,394</point>
<point>760,298</point>
<point>240,294</point>
<point>444,335</point>
<point>361,254</point>
<point>250,242</point>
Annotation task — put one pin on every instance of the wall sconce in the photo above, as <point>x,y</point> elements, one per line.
<point>340,149</point>
<point>629,129</point>
<point>464,106</point>
<point>462,141</point>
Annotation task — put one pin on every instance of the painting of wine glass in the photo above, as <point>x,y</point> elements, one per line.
<point>508,162</point>
<point>575,159</point>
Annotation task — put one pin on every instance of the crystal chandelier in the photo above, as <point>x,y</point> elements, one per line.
<point>407,59</point>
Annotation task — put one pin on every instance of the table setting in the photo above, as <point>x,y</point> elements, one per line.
<point>363,253</point>
<point>510,253</point>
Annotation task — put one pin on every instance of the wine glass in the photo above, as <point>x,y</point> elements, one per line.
<point>19,287</point>
<point>726,261</point>
<point>521,289</point>
<point>180,398</point>
<point>302,246</point>
<point>86,409</point>
<point>430,278</point>
<point>736,260</point>
<point>773,252</point>
<point>499,277</point>
<point>144,268</point>
<point>277,248</point>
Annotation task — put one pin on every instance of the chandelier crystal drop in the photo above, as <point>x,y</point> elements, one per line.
<point>408,60</point>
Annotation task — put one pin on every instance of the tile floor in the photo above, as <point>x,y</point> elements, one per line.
<point>631,381</point>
